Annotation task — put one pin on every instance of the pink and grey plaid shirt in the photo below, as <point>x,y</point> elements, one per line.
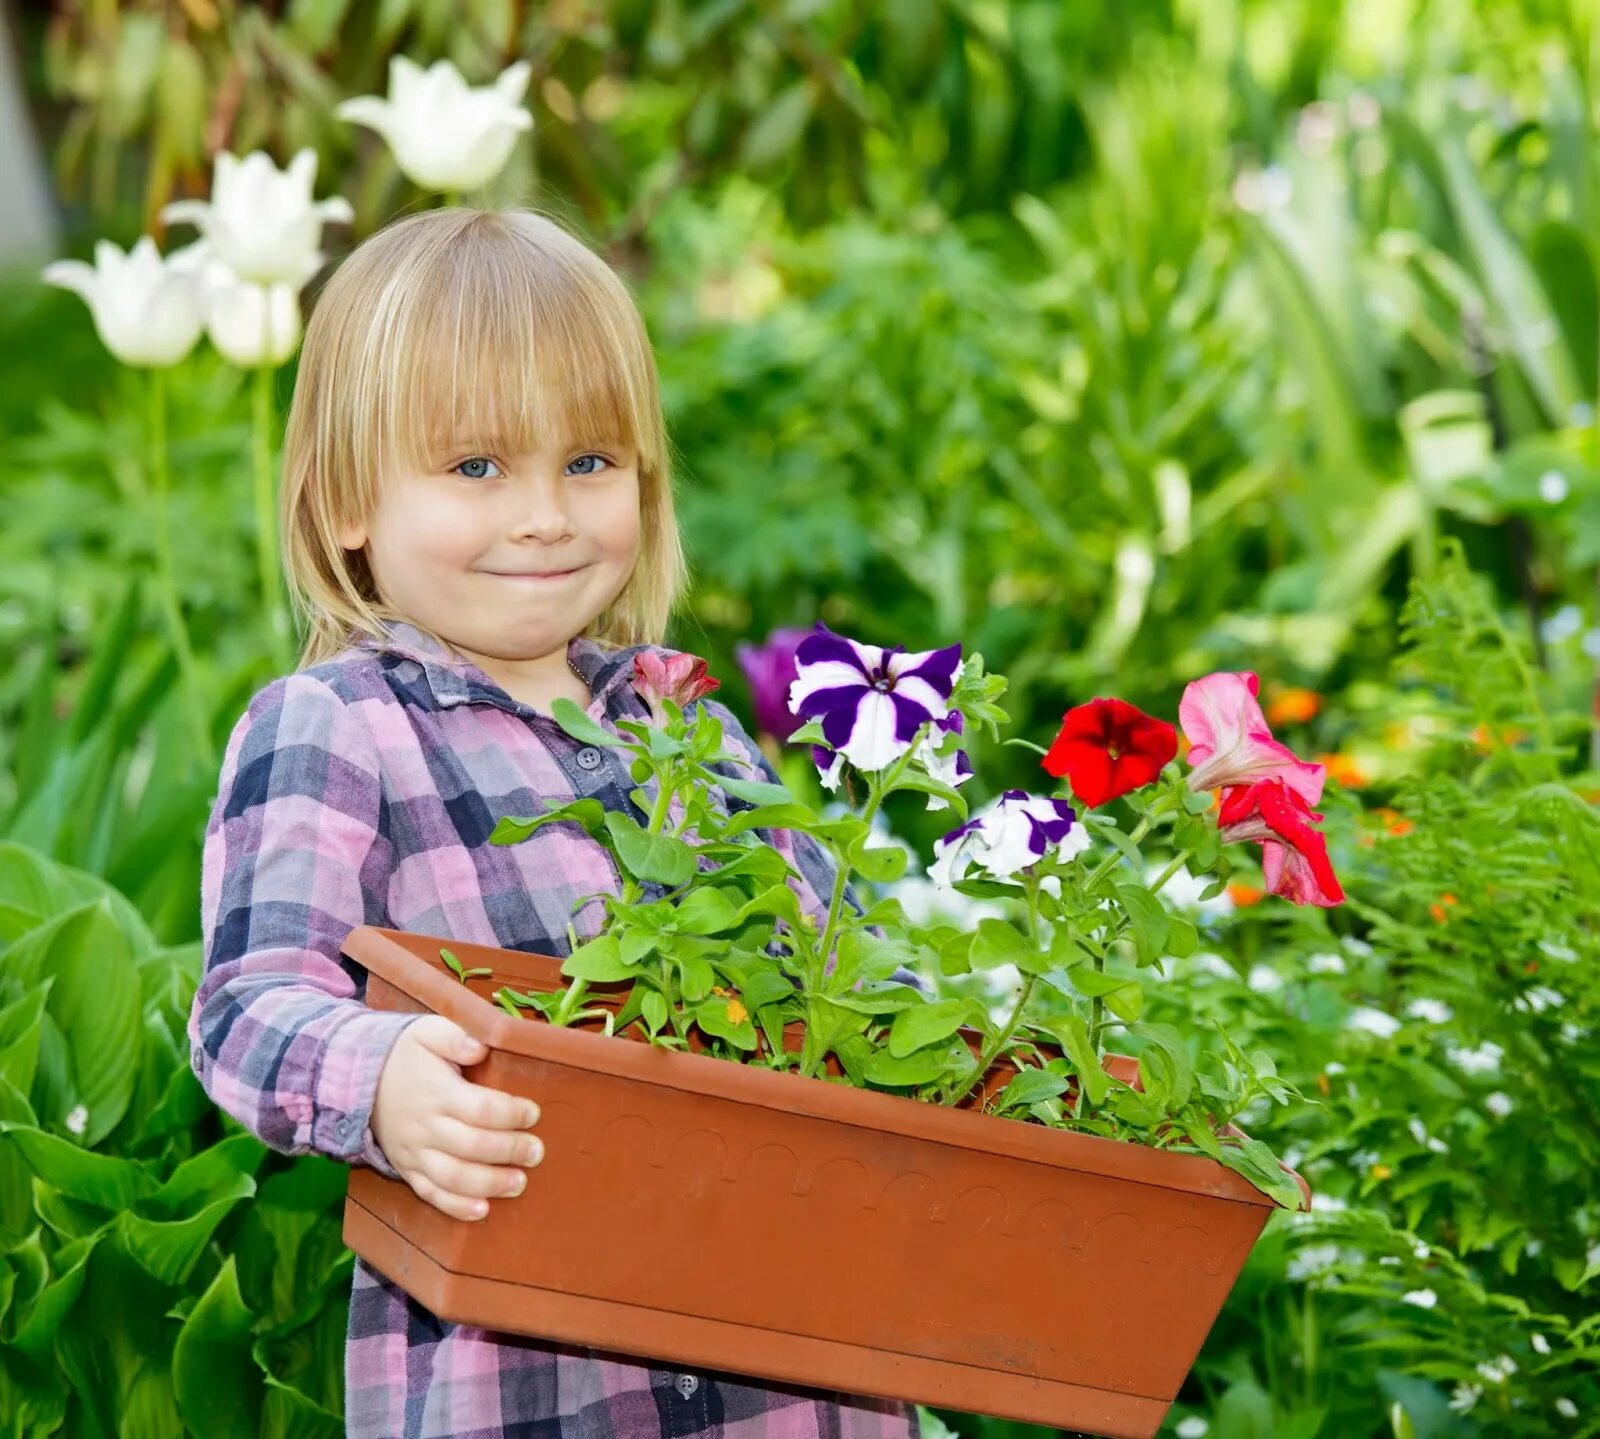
<point>363,791</point>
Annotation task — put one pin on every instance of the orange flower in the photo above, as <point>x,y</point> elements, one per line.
<point>1293,706</point>
<point>1381,1171</point>
<point>1531,967</point>
<point>1343,769</point>
<point>1394,822</point>
<point>1438,910</point>
<point>737,1013</point>
<point>1323,1085</point>
<point>1483,737</point>
<point>1589,796</point>
<point>1245,895</point>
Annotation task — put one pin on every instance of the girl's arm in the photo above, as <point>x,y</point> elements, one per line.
<point>295,858</point>
<point>813,863</point>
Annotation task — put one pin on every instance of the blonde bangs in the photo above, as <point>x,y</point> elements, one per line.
<point>478,330</point>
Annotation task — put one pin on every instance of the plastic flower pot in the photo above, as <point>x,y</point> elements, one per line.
<point>702,1213</point>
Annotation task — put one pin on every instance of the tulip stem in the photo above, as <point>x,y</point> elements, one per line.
<point>262,408</point>
<point>171,606</point>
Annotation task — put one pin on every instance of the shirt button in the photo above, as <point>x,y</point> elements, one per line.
<point>588,758</point>
<point>687,1384</point>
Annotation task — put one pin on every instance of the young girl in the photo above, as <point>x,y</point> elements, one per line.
<point>478,520</point>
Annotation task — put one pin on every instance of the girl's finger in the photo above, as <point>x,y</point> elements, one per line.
<point>486,1108</point>
<point>456,1206</point>
<point>475,1181</point>
<point>487,1146</point>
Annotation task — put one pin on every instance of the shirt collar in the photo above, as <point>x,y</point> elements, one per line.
<point>455,680</point>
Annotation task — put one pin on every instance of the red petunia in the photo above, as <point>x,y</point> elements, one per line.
<point>681,678</point>
<point>1294,856</point>
<point>1108,747</point>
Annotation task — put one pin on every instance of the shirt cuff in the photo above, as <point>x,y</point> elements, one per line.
<point>347,1084</point>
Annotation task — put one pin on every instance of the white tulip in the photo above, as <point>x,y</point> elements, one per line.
<point>444,134</point>
<point>147,310</point>
<point>260,221</point>
<point>250,324</point>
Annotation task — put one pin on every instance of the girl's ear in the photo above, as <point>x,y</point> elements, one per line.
<point>353,536</point>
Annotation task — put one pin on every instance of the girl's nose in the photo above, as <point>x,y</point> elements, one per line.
<point>541,511</point>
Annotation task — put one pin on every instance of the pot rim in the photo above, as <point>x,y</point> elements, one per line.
<point>385,952</point>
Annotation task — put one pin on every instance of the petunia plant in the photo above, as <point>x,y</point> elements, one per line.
<point>709,939</point>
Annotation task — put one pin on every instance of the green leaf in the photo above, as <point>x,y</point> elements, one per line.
<point>1073,1034</point>
<point>712,1016</point>
<point>924,1024</point>
<point>920,1067</point>
<point>583,729</point>
<point>881,866</point>
<point>590,813</point>
<point>759,792</point>
<point>698,977</point>
<point>997,942</point>
<point>599,960</point>
<point>707,911</point>
<point>1166,1058</point>
<point>1123,995</point>
<point>771,816</point>
<point>95,1001</point>
<point>1148,918</point>
<point>1031,1086</point>
<point>219,1385</point>
<point>100,1179</point>
<point>926,784</point>
<point>654,1009</point>
<point>662,858</point>
<point>1182,937</point>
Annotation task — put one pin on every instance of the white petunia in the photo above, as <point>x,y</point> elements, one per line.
<point>1372,1021</point>
<point>1422,1298</point>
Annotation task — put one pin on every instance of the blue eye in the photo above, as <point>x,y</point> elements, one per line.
<point>603,460</point>
<point>477,460</point>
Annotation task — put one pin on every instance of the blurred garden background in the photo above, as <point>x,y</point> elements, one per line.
<point>1119,343</point>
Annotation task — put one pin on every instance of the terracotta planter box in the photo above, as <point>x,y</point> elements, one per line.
<point>705,1214</point>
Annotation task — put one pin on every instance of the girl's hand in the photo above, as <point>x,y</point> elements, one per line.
<point>444,1135</point>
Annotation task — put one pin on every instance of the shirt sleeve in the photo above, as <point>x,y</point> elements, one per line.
<point>295,857</point>
<point>813,864</point>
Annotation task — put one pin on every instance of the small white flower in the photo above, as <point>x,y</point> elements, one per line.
<point>1498,1104</point>
<point>1421,1251</point>
<point>1312,1259</point>
<point>1329,963</point>
<point>1590,643</point>
<point>1480,1060</point>
<point>1389,1261</point>
<point>1533,1248</point>
<point>1418,1132</point>
<point>1438,1146</point>
<point>1540,998</point>
<point>1357,946</point>
<point>1465,1396</point>
<point>1561,626</point>
<point>1331,1203</point>
<point>1333,1067</point>
<point>77,1119</point>
<point>1552,487</point>
<point>446,135</point>
<point>1497,1371</point>
<point>1422,1298</point>
<point>1192,1427</point>
<point>1372,1021</point>
<point>1566,1408</point>
<point>1541,1345</point>
<point>1434,1011</point>
<point>1264,979</point>
<point>1206,961</point>
<point>1364,1158</point>
<point>1565,953</point>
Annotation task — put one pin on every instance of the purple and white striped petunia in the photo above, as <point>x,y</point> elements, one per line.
<point>953,770</point>
<point>1017,830</point>
<point>871,701</point>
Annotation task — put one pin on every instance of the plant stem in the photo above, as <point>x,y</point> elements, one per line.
<point>262,406</point>
<point>841,881</point>
<point>632,890</point>
<point>998,1041</point>
<point>171,607</point>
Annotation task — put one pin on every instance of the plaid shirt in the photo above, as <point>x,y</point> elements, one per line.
<point>363,791</point>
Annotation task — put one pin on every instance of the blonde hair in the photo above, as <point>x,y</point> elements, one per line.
<point>505,322</point>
